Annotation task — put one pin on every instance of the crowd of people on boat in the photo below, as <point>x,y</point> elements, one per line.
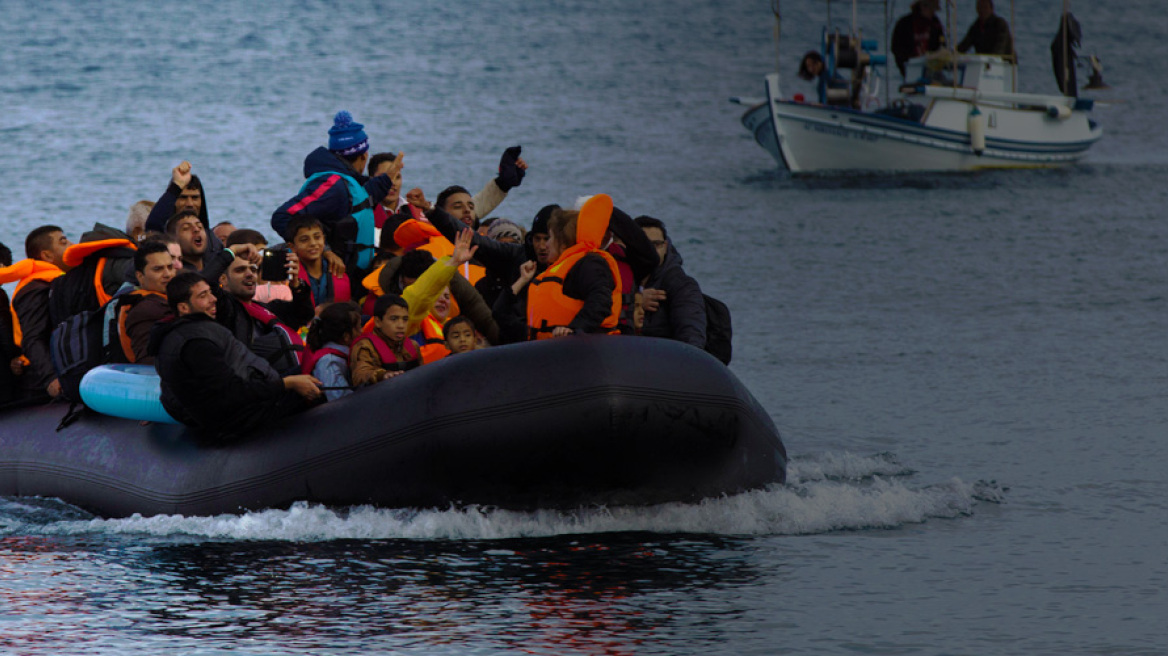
<point>351,283</point>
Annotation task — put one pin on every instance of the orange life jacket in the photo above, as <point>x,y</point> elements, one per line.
<point>124,310</point>
<point>77,253</point>
<point>26,271</point>
<point>416,235</point>
<point>547,305</point>
<point>433,341</point>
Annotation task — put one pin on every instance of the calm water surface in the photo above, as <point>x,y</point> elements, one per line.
<point>968,371</point>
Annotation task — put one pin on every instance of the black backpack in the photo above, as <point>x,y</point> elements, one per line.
<point>85,340</point>
<point>75,291</point>
<point>718,329</point>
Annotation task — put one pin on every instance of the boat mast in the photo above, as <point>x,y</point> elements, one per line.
<point>1013,49</point>
<point>1066,45</point>
<point>951,42</point>
<point>887,51</point>
<point>778,31</point>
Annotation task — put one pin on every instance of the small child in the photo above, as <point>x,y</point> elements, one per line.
<point>329,337</point>
<point>385,351</point>
<point>460,335</point>
<point>306,238</point>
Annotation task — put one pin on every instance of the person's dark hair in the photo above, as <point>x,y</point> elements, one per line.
<point>195,185</point>
<point>803,71</point>
<point>386,301</point>
<point>562,225</point>
<point>157,237</point>
<point>414,264</point>
<point>446,193</point>
<point>182,214</point>
<point>454,321</point>
<point>38,240</point>
<point>178,290</point>
<point>5,255</point>
<point>300,223</point>
<point>377,160</point>
<point>245,236</point>
<point>334,322</point>
<point>146,249</point>
<point>650,222</point>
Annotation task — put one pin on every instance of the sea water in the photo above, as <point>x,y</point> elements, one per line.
<point>967,370</point>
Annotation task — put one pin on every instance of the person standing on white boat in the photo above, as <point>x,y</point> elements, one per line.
<point>917,33</point>
<point>989,34</point>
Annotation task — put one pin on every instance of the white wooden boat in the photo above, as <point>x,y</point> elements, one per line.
<point>957,113</point>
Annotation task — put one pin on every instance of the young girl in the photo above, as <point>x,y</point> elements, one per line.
<point>329,337</point>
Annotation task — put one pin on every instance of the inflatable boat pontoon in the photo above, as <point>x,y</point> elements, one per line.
<point>556,424</point>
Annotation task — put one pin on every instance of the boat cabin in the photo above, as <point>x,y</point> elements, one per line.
<point>986,73</point>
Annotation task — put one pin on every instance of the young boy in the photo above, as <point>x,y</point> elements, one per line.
<point>384,352</point>
<point>460,335</point>
<point>307,242</point>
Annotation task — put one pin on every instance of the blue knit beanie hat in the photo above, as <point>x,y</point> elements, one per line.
<point>346,136</point>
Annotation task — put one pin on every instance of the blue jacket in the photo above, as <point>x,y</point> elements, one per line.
<point>329,195</point>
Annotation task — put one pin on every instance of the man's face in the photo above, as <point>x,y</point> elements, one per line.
<point>175,254</point>
<point>657,238</point>
<point>539,242</point>
<point>159,271</point>
<point>392,198</point>
<point>189,199</point>
<point>240,279</point>
<point>985,9</point>
<point>393,323</point>
<point>308,244</point>
<point>191,236</point>
<point>202,301</point>
<point>461,206</point>
<point>460,338</point>
<point>55,253</point>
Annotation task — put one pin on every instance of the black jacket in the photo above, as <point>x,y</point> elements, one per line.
<point>32,309</point>
<point>904,44</point>
<point>682,316</point>
<point>164,209</point>
<point>210,380</point>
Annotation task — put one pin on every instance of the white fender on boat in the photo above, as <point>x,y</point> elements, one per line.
<point>130,391</point>
<point>977,130</point>
<point>1061,112</point>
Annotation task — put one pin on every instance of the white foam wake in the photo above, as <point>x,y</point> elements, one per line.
<point>824,493</point>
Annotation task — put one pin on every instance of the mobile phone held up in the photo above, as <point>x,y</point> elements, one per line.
<point>274,265</point>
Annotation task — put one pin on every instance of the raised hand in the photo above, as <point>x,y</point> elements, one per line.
<point>463,251</point>
<point>181,174</point>
<point>512,168</point>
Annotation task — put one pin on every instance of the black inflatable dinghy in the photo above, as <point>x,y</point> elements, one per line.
<point>560,423</point>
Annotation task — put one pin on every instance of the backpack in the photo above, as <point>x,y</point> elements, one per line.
<point>76,291</point>
<point>718,329</point>
<point>82,342</point>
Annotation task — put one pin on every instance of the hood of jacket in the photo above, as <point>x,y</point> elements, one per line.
<point>323,160</point>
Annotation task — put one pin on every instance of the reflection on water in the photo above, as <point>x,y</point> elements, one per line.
<point>613,594</point>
